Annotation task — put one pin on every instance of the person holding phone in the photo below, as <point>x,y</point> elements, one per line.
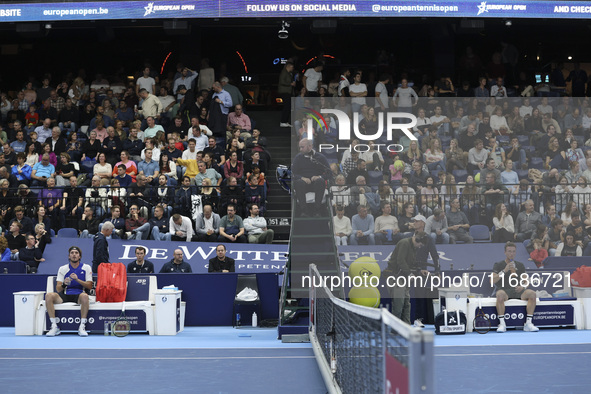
<point>511,281</point>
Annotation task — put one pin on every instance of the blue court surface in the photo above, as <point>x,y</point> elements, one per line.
<point>227,360</point>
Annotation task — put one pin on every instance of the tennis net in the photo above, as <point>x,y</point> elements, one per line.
<point>367,350</point>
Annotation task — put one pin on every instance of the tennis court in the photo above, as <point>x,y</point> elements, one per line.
<point>226,360</point>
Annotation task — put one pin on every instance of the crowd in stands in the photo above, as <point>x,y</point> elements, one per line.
<point>78,154</point>
<point>489,155</point>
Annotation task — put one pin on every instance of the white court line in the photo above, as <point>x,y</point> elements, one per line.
<point>511,354</point>
<point>516,344</point>
<point>153,358</point>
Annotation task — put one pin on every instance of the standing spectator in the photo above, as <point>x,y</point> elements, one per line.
<point>285,89</point>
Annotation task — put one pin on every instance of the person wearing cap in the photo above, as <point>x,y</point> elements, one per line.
<point>72,281</point>
<point>401,265</point>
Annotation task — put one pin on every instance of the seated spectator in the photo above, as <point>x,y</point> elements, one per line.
<point>418,177</point>
<point>207,225</point>
<point>214,176</point>
<point>137,225</point>
<point>210,163</point>
<point>342,226</point>
<point>168,168</point>
<point>256,227</point>
<point>73,201</point>
<point>567,213</point>
<point>64,170</point>
<point>5,253</point>
<point>30,254</point>
<point>209,194</point>
<point>117,221</point>
<point>131,169</point>
<point>15,238</point>
<point>363,226</point>
<point>139,194</point>
<point>386,229</point>
<point>42,237</point>
<point>122,177</point>
<point>177,264</point>
<point>458,224</point>
<point>180,228</point>
<point>116,195</point>
<point>238,120</point>
<point>232,227</point>
<point>91,147</point>
<point>436,227</point>
<point>148,167</point>
<point>163,195</point>
<point>434,156</point>
<point>151,143</point>
<point>219,154</point>
<point>102,169</point>
<point>41,217</point>
<point>454,155</point>
<point>477,157</point>
<point>42,171</point>
<point>255,161</point>
<point>140,265</point>
<point>232,193</point>
<point>133,145</point>
<point>575,154</point>
<point>96,197</point>
<point>221,263</point>
<point>22,171</point>
<point>46,148</point>
<point>429,196</point>
<point>32,155</point>
<point>549,216</point>
<point>171,150</point>
<point>554,156</point>
<point>159,223</point>
<point>527,222</point>
<point>233,167</point>
<point>504,226</point>
<point>153,128</point>
<point>51,197</point>
<point>19,144</point>
<point>569,247</point>
<point>235,146</point>
<point>538,254</point>
<point>88,226</point>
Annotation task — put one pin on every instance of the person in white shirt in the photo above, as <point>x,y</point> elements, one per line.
<point>526,109</point>
<point>386,227</point>
<point>344,83</point>
<point>180,228</point>
<point>190,153</point>
<point>312,78</point>
<point>145,82</point>
<point>382,99</point>
<point>498,90</point>
<point>403,97</point>
<point>256,227</point>
<point>342,226</point>
<point>358,92</point>
<point>167,100</point>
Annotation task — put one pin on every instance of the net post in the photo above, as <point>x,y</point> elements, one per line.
<point>384,351</point>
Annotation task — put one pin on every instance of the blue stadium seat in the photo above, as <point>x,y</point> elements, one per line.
<point>528,148</point>
<point>503,139</point>
<point>460,175</point>
<point>374,178</point>
<point>536,162</point>
<point>523,140</point>
<point>52,233</point>
<point>67,233</point>
<point>480,233</point>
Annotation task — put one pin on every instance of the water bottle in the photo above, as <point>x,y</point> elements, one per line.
<point>238,323</point>
<point>107,328</point>
<point>255,320</point>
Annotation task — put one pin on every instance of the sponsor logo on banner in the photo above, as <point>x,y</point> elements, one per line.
<point>456,328</point>
<point>152,9</point>
<point>24,300</point>
<point>483,7</point>
<point>164,299</point>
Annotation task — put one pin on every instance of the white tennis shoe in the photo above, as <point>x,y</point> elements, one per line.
<point>54,331</point>
<point>502,328</point>
<point>82,331</point>
<point>529,327</point>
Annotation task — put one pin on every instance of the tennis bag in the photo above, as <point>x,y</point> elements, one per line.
<point>112,282</point>
<point>450,323</point>
<point>581,277</point>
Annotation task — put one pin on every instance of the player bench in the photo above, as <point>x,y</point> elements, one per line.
<point>148,309</point>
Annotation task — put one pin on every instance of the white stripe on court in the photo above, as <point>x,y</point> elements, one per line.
<point>155,358</point>
<point>511,354</point>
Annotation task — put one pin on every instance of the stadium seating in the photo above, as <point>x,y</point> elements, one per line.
<point>480,233</point>
<point>67,232</point>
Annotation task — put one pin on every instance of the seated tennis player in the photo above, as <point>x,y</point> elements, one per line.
<point>72,279</point>
<point>507,274</point>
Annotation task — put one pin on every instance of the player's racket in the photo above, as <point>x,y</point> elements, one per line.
<point>121,326</point>
<point>481,322</point>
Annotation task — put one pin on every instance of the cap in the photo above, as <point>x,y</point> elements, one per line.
<point>419,218</point>
<point>181,87</point>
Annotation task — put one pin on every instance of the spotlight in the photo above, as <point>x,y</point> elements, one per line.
<point>570,58</point>
<point>508,23</point>
<point>283,33</point>
<point>48,26</point>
